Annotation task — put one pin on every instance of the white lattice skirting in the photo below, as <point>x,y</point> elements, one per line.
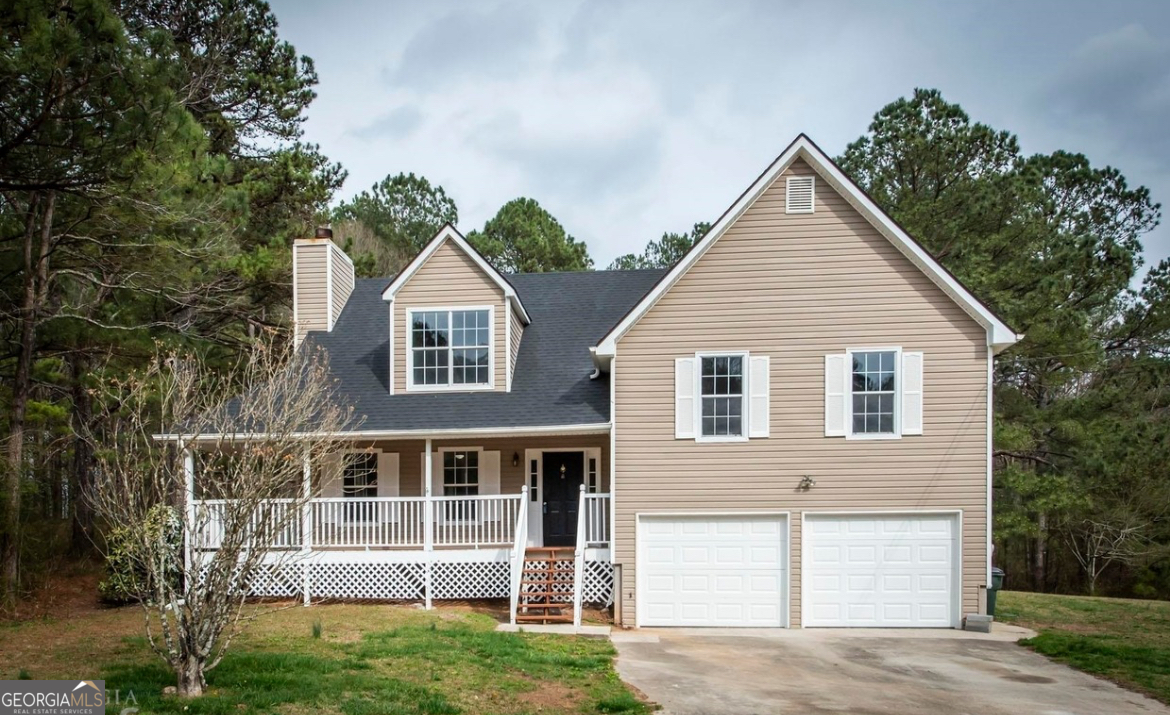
<point>390,576</point>
<point>597,583</point>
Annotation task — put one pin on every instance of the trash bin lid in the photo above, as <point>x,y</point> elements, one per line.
<point>996,571</point>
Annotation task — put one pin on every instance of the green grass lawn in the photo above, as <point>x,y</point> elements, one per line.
<point>371,659</point>
<point>1124,640</point>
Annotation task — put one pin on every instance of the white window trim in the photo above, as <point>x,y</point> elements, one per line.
<point>439,465</point>
<point>744,396</point>
<point>450,387</point>
<point>897,433</point>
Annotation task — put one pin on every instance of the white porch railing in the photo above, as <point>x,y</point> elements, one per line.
<point>595,516</point>
<point>398,543</point>
<point>363,523</point>
<point>374,523</point>
<point>212,514</point>
<point>476,521</point>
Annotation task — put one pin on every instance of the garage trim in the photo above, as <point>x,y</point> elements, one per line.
<point>957,580</point>
<point>640,558</point>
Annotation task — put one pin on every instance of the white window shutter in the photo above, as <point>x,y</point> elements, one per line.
<point>331,486</point>
<point>388,484</point>
<point>836,393</point>
<point>489,472</point>
<point>387,474</point>
<point>684,398</point>
<point>331,476</point>
<point>911,393</point>
<point>758,384</point>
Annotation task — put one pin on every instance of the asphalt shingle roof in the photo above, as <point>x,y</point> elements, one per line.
<point>570,312</point>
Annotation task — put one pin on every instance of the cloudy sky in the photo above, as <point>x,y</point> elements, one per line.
<point>627,119</point>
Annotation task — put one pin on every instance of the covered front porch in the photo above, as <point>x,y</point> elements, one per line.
<point>438,518</point>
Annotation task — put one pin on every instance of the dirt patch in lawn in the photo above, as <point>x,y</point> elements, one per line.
<point>549,696</point>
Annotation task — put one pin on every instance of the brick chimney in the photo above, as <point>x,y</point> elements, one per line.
<point>322,281</point>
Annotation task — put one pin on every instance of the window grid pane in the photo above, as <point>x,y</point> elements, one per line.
<point>359,480</point>
<point>460,479</point>
<point>360,476</point>
<point>874,388</point>
<point>451,347</point>
<point>721,392</point>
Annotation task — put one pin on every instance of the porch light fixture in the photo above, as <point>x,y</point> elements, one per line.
<point>807,483</point>
<point>515,459</point>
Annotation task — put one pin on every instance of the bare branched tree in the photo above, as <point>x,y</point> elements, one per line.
<point>1101,541</point>
<point>245,439</point>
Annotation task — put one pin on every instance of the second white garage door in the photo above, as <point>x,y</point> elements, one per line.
<point>712,570</point>
<point>879,571</point>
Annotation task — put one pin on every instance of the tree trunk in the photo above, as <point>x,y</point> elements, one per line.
<point>1039,565</point>
<point>35,272</point>
<point>82,536</point>
<point>191,682</point>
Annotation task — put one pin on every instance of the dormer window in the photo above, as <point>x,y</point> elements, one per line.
<point>450,348</point>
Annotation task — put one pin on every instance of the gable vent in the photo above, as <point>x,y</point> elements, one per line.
<point>798,198</point>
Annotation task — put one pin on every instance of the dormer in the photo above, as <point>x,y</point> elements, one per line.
<point>455,321</point>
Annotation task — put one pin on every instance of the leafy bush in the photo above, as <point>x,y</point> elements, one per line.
<point>126,551</point>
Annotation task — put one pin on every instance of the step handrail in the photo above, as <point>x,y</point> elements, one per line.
<point>519,546</point>
<point>579,559</point>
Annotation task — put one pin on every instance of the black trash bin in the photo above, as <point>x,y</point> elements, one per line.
<point>997,575</point>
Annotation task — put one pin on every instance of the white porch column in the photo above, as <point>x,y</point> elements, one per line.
<point>306,520</point>
<point>579,557</point>
<point>188,505</point>
<point>429,521</point>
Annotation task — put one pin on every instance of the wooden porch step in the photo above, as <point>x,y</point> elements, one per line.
<point>563,618</point>
<point>544,594</point>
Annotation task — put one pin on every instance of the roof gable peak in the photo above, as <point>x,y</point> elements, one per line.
<point>450,233</point>
<point>999,335</point>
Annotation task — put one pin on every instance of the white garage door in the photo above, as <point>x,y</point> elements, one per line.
<point>712,571</point>
<point>879,571</point>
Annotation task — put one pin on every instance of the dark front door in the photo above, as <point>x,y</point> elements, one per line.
<point>564,473</point>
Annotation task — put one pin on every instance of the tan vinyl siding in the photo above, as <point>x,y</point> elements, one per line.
<point>311,287</point>
<point>516,335</point>
<point>342,280</point>
<point>796,287</point>
<point>448,279</point>
<point>512,478</point>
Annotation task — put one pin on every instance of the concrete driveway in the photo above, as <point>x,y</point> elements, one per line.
<point>728,672</point>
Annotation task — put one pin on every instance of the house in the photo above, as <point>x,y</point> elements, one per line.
<point>791,427</point>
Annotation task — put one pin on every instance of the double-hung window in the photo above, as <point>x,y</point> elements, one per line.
<point>359,480</point>
<point>874,388</point>
<point>450,348</point>
<point>460,479</point>
<point>721,382</point>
